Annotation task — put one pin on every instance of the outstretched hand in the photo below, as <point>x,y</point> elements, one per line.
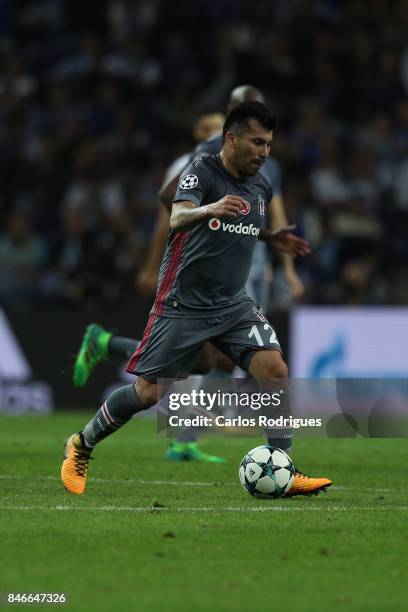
<point>284,241</point>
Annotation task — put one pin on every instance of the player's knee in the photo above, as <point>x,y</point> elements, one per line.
<point>277,369</point>
<point>271,366</point>
<point>284,373</point>
<point>147,392</point>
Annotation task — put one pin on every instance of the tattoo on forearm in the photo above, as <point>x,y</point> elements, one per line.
<point>183,219</point>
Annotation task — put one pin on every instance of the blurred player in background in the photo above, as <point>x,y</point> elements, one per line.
<point>201,295</point>
<point>99,343</point>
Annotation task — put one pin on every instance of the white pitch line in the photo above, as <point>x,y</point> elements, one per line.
<point>375,489</point>
<point>186,483</point>
<point>198,509</point>
<point>178,483</point>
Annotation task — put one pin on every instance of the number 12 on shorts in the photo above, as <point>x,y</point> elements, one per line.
<point>255,333</point>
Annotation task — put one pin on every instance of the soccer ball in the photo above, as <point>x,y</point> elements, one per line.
<point>266,472</point>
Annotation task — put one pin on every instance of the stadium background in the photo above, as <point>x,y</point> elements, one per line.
<point>97,98</point>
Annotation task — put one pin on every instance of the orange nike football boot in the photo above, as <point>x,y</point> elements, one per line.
<point>74,468</point>
<point>303,485</point>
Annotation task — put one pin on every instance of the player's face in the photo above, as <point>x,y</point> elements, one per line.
<point>252,147</point>
<point>207,126</point>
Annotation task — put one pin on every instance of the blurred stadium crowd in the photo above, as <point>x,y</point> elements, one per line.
<point>97,98</point>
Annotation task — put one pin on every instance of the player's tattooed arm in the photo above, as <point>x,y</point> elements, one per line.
<point>185,214</point>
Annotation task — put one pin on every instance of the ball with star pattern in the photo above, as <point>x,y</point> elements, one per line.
<point>266,472</point>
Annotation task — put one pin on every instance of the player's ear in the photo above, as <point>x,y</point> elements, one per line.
<point>230,139</point>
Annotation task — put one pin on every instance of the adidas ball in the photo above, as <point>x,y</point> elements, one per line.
<point>266,472</point>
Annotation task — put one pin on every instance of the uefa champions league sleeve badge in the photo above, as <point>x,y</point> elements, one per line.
<point>189,181</point>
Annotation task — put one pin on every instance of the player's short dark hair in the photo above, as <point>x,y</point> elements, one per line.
<point>237,120</point>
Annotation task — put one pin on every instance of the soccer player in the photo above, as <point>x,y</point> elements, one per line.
<point>216,218</point>
<point>98,344</point>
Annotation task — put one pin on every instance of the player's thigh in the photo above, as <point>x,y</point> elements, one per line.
<point>248,332</point>
<point>168,349</point>
<point>204,360</point>
<point>222,362</point>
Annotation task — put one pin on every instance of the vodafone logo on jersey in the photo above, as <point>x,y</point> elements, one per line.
<point>233,228</point>
<point>214,224</point>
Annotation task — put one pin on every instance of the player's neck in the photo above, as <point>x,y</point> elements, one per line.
<point>229,166</point>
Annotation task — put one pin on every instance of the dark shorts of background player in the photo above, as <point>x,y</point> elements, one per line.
<point>170,346</point>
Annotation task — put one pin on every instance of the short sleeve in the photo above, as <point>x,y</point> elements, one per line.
<point>194,183</point>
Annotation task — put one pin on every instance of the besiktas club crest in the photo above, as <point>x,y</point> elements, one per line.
<point>261,205</point>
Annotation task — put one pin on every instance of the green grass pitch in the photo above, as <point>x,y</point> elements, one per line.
<point>153,535</point>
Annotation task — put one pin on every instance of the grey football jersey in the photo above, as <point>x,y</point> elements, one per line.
<point>204,270</point>
<point>257,285</point>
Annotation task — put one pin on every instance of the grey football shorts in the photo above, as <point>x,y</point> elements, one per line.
<point>170,346</point>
